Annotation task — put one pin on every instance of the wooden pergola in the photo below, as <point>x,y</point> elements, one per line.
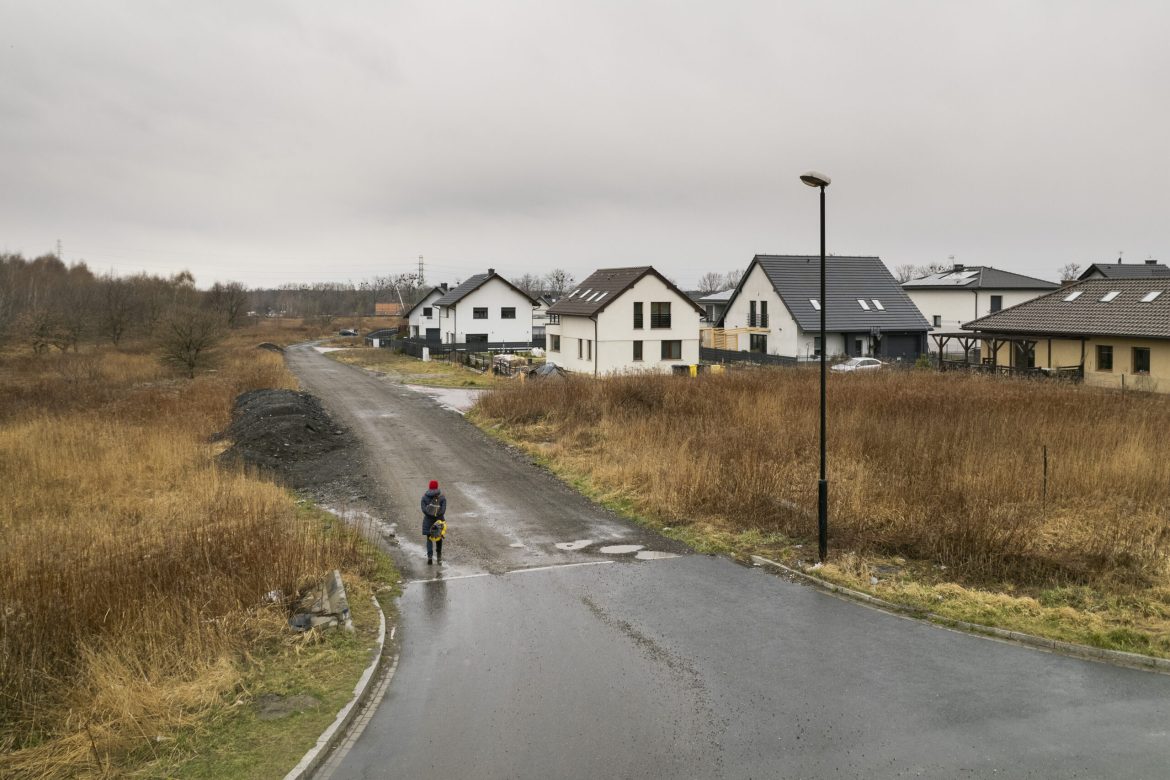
<point>1022,343</point>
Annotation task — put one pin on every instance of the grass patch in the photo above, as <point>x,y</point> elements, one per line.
<point>940,472</point>
<point>133,569</point>
<point>408,370</point>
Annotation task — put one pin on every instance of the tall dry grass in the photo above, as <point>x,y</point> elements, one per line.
<point>942,467</point>
<point>133,570</point>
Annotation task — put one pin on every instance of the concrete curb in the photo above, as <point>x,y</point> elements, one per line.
<point>336,731</point>
<point>1116,657</point>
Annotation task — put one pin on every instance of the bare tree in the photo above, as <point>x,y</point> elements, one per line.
<point>731,279</point>
<point>711,282</point>
<point>1069,272</point>
<point>188,337</point>
<point>530,283</point>
<point>557,281</point>
<point>230,301</point>
<point>116,308</point>
<point>905,272</point>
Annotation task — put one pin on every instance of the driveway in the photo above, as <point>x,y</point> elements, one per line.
<point>545,648</point>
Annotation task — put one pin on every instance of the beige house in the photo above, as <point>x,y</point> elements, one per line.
<point>1115,332</point>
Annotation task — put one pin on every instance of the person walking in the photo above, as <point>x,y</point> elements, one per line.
<point>434,509</point>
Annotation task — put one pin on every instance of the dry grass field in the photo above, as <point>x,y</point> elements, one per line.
<point>939,476</point>
<point>133,569</point>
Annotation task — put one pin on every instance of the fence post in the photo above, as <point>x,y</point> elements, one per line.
<point>1045,490</point>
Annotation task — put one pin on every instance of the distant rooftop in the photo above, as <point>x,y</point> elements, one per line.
<point>1120,270</point>
<point>978,277</point>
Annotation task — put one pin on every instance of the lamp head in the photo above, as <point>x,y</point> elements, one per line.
<point>814,179</point>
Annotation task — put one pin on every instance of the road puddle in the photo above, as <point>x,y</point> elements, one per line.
<point>620,549</point>
<point>580,544</point>
<point>654,555</point>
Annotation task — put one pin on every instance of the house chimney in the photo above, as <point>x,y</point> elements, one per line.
<point>958,267</point>
<point>443,287</point>
<point>1151,262</point>
<point>491,271</point>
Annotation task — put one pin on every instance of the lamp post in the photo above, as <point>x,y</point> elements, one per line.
<point>814,179</point>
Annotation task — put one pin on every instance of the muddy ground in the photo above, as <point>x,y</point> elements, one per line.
<point>290,437</point>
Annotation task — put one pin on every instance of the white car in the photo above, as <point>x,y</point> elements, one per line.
<point>859,364</point>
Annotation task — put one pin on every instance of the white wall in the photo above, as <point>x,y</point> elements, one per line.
<point>419,323</point>
<point>958,306</point>
<point>613,340</point>
<point>459,320</point>
<point>783,338</point>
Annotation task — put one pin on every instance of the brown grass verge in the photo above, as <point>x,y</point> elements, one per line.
<point>943,470</point>
<point>133,569</point>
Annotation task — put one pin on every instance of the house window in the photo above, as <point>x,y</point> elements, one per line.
<point>554,343</point>
<point>427,312</point>
<point>1104,358</point>
<point>580,349</point>
<point>996,302</point>
<point>1141,360</point>
<point>637,350</point>
<point>671,350</point>
<point>638,314</point>
<point>660,315</point>
<point>508,313</point>
<point>554,319</point>
<point>817,346</point>
<point>479,313</point>
<point>815,304</point>
<point>763,314</point>
<point>588,349</point>
<point>751,314</point>
<point>861,302</point>
<point>938,320</point>
<point>759,343</point>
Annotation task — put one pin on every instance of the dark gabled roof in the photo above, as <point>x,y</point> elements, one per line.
<point>978,277</point>
<point>420,301</point>
<point>1125,270</point>
<point>604,286</point>
<point>797,280</point>
<point>474,283</point>
<point>1126,315</point>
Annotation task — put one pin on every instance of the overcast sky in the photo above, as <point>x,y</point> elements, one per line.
<point>276,142</point>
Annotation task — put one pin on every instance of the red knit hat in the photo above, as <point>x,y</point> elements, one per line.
<point>434,484</point>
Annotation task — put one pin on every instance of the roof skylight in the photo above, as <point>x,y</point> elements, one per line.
<point>815,303</point>
<point>1151,295</point>
<point>878,305</point>
<point>1072,296</point>
<point>574,292</point>
<point>599,297</point>
<point>1110,296</point>
<point>861,302</point>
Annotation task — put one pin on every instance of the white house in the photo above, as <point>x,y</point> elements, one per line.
<point>714,304</point>
<point>623,319</point>
<point>967,292</point>
<point>776,309</point>
<point>540,316</point>
<point>485,308</point>
<point>424,315</point>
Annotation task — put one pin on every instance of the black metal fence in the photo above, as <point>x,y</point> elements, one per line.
<point>712,355</point>
<point>414,347</point>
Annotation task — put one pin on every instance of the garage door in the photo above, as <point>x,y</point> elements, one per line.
<point>904,347</point>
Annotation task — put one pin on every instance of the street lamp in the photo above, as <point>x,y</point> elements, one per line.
<point>814,179</point>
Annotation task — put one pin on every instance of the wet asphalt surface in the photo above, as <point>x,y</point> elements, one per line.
<point>687,666</point>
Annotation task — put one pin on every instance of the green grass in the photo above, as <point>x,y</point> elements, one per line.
<point>408,370</point>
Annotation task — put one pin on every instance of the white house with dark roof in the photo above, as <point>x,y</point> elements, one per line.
<point>1116,332</point>
<point>776,309</point>
<point>424,315</point>
<point>965,292</point>
<point>486,308</point>
<point>623,319</point>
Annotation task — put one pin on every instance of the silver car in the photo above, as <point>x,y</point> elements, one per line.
<point>859,364</point>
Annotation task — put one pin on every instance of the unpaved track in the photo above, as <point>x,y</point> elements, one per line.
<point>684,667</point>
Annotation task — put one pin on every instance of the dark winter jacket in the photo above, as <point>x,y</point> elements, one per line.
<point>426,499</point>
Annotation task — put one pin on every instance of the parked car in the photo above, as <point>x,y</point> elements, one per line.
<point>346,332</point>
<point>859,364</point>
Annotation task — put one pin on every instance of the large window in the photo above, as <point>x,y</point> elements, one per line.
<point>817,346</point>
<point>1141,360</point>
<point>427,312</point>
<point>554,343</point>
<point>637,350</point>
<point>660,315</point>
<point>751,314</point>
<point>479,313</point>
<point>1104,358</point>
<point>938,320</point>
<point>508,313</point>
<point>759,343</point>
<point>671,350</point>
<point>996,302</point>
<point>638,314</point>
<point>763,314</point>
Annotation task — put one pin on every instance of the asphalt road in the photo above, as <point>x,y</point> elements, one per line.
<point>524,660</point>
